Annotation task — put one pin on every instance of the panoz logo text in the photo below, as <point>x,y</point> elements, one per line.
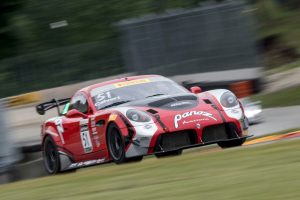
<point>179,117</point>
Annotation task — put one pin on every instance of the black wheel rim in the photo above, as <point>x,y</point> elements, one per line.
<point>115,144</point>
<point>50,156</point>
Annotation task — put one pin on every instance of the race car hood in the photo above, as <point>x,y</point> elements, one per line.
<point>177,111</point>
<point>168,102</point>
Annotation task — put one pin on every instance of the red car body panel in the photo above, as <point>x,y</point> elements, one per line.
<point>67,131</point>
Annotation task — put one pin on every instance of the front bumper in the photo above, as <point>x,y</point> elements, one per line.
<point>199,145</point>
<point>184,139</point>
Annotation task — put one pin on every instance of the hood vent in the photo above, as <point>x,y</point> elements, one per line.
<point>175,103</point>
<point>186,97</point>
<point>161,102</point>
<point>153,112</point>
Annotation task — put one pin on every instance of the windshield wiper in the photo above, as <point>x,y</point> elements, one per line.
<point>115,104</point>
<point>154,95</point>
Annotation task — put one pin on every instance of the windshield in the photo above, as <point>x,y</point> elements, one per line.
<point>123,93</point>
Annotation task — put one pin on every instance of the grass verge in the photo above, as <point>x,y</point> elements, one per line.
<point>284,68</point>
<point>256,172</point>
<point>286,97</point>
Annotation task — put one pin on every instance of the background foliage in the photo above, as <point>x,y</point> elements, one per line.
<point>28,46</point>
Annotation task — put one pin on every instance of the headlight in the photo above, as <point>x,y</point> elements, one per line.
<point>137,116</point>
<point>229,100</point>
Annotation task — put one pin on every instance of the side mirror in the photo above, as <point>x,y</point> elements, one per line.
<point>196,89</point>
<point>75,113</point>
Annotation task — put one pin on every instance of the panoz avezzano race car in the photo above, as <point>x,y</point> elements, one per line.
<point>125,119</point>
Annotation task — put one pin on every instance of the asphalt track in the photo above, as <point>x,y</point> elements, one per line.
<point>276,120</point>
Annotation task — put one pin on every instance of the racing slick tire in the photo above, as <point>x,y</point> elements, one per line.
<point>170,153</point>
<point>51,156</point>
<point>116,146</point>
<point>232,143</point>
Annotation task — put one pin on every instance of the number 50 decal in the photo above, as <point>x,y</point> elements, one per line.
<point>86,139</point>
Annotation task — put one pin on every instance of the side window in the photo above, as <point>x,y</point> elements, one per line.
<point>80,103</point>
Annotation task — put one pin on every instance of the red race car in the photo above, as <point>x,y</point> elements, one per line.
<point>125,119</point>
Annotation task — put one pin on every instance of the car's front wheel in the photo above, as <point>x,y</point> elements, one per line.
<point>51,156</point>
<point>116,145</point>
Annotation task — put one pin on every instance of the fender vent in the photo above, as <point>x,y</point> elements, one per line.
<point>207,101</point>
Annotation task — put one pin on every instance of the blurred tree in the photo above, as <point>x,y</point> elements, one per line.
<point>8,41</point>
<point>88,21</point>
<point>291,4</point>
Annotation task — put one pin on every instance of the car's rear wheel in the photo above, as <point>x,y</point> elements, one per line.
<point>170,153</point>
<point>232,143</point>
<point>115,143</point>
<point>51,156</point>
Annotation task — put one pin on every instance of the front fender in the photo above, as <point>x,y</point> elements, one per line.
<point>235,112</point>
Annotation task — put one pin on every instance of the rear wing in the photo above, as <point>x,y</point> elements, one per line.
<point>54,103</point>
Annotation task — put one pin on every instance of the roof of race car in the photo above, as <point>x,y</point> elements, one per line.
<point>130,78</point>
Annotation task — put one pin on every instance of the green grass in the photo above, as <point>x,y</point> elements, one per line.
<point>284,68</point>
<point>277,20</point>
<point>257,172</point>
<point>286,97</point>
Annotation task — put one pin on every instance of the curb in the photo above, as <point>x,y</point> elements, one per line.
<point>271,138</point>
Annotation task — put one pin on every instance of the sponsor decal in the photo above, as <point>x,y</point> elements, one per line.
<point>185,115</point>
<point>84,122</point>
<point>194,120</point>
<point>133,82</point>
<point>100,103</point>
<point>60,129</point>
<point>86,163</point>
<point>85,137</point>
<point>95,132</point>
<point>177,104</point>
<point>105,98</point>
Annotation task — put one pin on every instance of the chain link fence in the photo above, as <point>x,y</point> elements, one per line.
<point>59,66</point>
<point>212,37</point>
<point>208,38</point>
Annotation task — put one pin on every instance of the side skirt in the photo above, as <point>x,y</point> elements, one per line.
<point>67,163</point>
